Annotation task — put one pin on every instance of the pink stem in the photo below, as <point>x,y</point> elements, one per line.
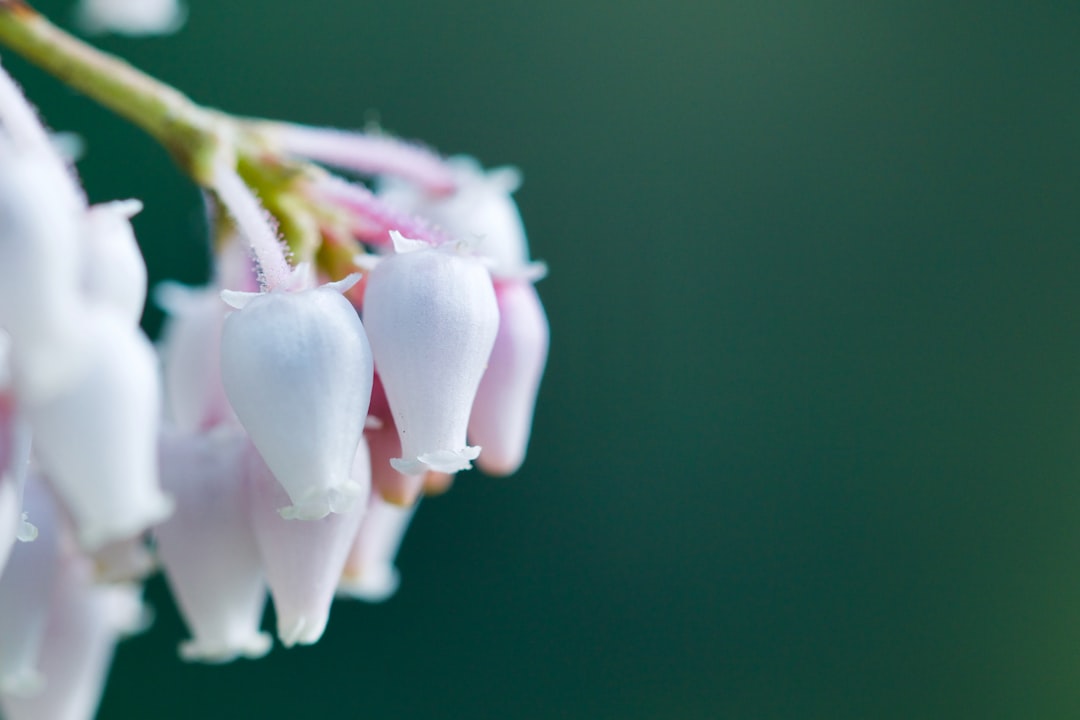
<point>368,154</point>
<point>369,208</point>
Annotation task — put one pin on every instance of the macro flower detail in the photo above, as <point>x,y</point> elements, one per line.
<point>297,369</point>
<point>431,316</point>
<point>208,549</point>
<point>277,441</point>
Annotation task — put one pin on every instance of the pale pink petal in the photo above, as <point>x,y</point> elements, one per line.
<point>25,588</point>
<point>303,558</point>
<point>190,350</point>
<point>370,573</point>
<point>85,622</point>
<point>501,419</point>
<point>207,548</point>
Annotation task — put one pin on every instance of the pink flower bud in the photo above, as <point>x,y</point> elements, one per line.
<point>502,414</point>
<point>208,549</point>
<point>297,369</point>
<point>303,558</point>
<point>431,316</point>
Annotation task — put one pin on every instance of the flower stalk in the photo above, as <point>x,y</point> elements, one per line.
<point>191,133</point>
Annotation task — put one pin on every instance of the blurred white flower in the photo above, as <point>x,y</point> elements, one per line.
<point>131,17</point>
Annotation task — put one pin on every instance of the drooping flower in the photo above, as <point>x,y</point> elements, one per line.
<point>85,621</point>
<point>482,212</point>
<point>431,316</point>
<point>501,419</point>
<point>208,548</point>
<point>40,268</point>
<point>303,559</point>
<point>97,440</point>
<point>297,369</point>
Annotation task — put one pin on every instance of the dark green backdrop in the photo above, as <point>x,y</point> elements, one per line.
<point>809,441</point>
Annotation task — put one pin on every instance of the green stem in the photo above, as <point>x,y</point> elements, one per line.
<point>191,133</point>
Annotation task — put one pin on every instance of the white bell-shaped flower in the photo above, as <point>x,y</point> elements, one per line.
<point>207,547</point>
<point>190,350</point>
<point>370,573</point>
<point>97,441</point>
<point>114,272</point>
<point>85,623</point>
<point>303,559</point>
<point>25,588</point>
<point>479,211</point>
<point>297,369</point>
<point>431,316</point>
<point>40,262</point>
<point>502,414</point>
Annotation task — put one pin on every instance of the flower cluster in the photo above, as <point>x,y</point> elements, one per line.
<point>278,439</point>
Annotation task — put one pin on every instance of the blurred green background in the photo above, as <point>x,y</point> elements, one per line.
<point>808,445</point>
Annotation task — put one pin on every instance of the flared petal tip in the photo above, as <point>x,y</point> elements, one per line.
<point>444,461</point>
<point>300,630</point>
<point>251,647</point>
<point>374,584</point>
<point>341,499</point>
<point>96,533</point>
<point>24,684</point>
